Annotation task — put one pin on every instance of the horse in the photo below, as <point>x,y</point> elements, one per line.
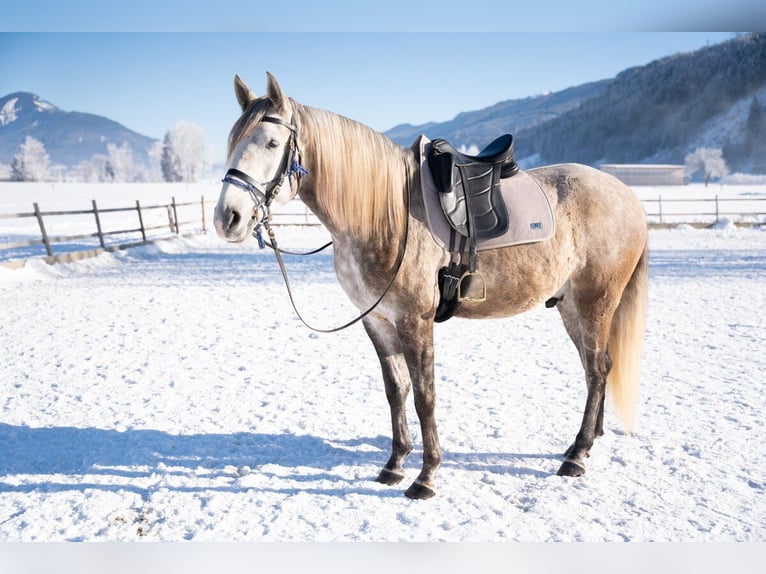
<point>365,190</point>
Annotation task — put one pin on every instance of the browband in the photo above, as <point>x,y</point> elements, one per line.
<point>281,122</point>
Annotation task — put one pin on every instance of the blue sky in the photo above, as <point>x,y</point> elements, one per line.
<point>137,62</point>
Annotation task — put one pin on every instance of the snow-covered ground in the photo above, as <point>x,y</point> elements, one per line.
<point>168,393</point>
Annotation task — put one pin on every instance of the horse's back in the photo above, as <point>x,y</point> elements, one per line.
<point>600,229</point>
<point>592,205</point>
<point>600,215</point>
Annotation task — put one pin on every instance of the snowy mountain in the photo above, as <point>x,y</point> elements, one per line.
<point>68,137</point>
<point>510,116</point>
<point>659,112</point>
<point>663,110</point>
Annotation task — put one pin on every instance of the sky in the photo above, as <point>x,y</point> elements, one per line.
<point>149,65</point>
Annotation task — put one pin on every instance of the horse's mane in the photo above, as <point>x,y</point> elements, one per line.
<point>360,175</point>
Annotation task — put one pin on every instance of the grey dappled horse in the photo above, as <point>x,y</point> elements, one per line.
<point>366,191</point>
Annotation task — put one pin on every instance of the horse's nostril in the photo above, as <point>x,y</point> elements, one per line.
<point>234,218</point>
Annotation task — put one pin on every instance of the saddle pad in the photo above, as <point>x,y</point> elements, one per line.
<point>529,211</point>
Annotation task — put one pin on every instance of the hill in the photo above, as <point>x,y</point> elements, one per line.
<point>659,112</point>
<point>69,137</point>
<point>482,126</point>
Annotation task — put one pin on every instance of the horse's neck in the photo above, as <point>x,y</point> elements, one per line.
<point>357,177</point>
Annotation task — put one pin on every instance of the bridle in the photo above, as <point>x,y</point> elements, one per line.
<point>262,199</point>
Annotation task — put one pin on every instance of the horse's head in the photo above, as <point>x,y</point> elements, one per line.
<point>262,160</point>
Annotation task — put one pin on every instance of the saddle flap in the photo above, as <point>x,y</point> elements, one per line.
<point>469,187</point>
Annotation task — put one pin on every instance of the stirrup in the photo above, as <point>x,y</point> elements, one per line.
<point>483,296</point>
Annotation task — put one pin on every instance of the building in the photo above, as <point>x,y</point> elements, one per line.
<point>647,174</point>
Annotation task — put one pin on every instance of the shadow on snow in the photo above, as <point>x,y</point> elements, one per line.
<point>48,453</point>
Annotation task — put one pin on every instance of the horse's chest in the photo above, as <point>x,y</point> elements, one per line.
<point>356,274</point>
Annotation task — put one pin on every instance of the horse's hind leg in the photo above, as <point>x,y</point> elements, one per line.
<point>397,383</point>
<point>587,321</point>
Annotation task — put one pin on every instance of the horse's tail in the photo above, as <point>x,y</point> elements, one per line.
<point>626,341</point>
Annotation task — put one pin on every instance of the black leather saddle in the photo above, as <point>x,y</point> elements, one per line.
<point>469,186</point>
<point>472,202</point>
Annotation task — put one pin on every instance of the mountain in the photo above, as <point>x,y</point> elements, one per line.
<point>659,112</point>
<point>511,116</point>
<point>68,137</point>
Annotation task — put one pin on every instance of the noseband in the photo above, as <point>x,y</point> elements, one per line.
<point>262,197</point>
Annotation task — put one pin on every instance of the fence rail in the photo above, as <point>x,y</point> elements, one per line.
<point>660,212</point>
<point>148,233</point>
<point>666,212</point>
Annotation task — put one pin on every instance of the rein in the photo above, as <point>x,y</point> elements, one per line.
<point>262,199</point>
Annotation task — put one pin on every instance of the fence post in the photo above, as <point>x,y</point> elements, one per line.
<point>175,213</point>
<point>717,211</point>
<point>141,221</point>
<point>46,241</point>
<point>204,225</point>
<point>659,201</point>
<point>98,223</point>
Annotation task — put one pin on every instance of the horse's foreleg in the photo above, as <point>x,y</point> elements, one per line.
<point>396,379</point>
<point>417,337</point>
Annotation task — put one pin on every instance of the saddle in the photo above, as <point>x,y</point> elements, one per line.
<point>469,186</point>
<point>471,200</point>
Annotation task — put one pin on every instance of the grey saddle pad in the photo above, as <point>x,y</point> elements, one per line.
<point>529,211</point>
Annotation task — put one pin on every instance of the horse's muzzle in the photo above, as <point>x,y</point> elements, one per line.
<point>232,225</point>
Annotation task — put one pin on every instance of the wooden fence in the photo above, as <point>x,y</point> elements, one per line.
<point>182,218</point>
<point>705,212</point>
<point>129,237</point>
<point>661,212</point>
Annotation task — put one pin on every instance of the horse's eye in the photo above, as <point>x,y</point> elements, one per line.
<point>273,143</point>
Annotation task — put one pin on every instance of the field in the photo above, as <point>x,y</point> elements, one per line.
<point>168,393</point>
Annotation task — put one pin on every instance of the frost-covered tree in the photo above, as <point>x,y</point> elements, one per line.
<point>709,160</point>
<point>185,153</point>
<point>155,161</point>
<point>31,163</point>
<point>121,167</point>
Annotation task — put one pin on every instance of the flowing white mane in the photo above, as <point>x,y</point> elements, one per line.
<point>359,175</point>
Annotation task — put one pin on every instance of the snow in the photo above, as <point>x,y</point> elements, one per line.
<point>43,106</point>
<point>9,113</point>
<point>168,393</point>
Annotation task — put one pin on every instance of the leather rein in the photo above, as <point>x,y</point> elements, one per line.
<point>262,199</point>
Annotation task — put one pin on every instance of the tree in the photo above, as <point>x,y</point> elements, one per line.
<point>755,129</point>
<point>709,160</point>
<point>184,153</point>
<point>31,163</point>
<point>121,167</point>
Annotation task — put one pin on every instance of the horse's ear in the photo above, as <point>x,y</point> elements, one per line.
<point>275,93</point>
<point>244,94</point>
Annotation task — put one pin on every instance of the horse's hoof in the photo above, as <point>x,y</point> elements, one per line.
<point>389,477</point>
<point>419,491</point>
<point>571,468</point>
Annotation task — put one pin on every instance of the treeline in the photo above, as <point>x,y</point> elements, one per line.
<point>654,111</point>
<point>182,156</point>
